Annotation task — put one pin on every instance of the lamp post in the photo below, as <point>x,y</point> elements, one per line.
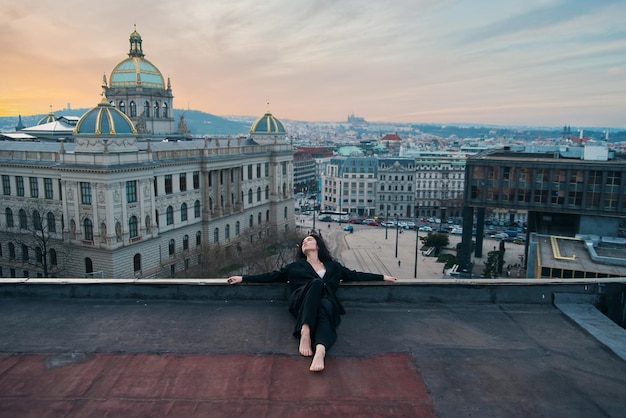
<point>386,221</point>
<point>417,239</point>
<point>397,228</point>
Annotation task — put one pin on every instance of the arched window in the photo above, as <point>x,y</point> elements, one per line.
<point>186,242</point>
<point>183,212</point>
<point>8,213</point>
<point>23,219</point>
<point>132,227</point>
<point>133,110</point>
<point>53,257</point>
<point>198,238</point>
<point>259,218</point>
<point>146,109</point>
<point>237,228</point>
<point>52,226</point>
<point>37,221</point>
<point>88,229</point>
<point>122,106</point>
<point>156,217</point>
<point>11,251</point>
<point>285,212</point>
<point>88,265</point>
<point>169,215</point>
<point>267,192</point>
<point>172,247</point>
<point>137,262</point>
<point>251,223</point>
<point>249,195</point>
<point>156,109</point>
<point>227,232</point>
<point>196,209</point>
<point>258,194</point>
<point>216,235</point>
<point>165,110</point>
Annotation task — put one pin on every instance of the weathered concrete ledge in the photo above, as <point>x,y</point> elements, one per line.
<point>535,291</point>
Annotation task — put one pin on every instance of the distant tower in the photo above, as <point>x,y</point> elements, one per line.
<point>19,125</point>
<point>138,89</point>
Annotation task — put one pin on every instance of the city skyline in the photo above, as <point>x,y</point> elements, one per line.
<point>541,63</point>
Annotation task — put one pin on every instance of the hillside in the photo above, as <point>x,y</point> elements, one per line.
<point>198,123</point>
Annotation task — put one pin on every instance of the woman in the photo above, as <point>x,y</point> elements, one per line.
<point>313,280</point>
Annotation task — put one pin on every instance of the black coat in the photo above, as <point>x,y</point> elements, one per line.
<point>299,273</point>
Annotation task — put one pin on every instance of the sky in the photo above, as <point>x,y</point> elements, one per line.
<point>500,62</point>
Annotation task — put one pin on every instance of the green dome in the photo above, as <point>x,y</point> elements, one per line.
<point>105,120</point>
<point>136,72</point>
<point>267,124</point>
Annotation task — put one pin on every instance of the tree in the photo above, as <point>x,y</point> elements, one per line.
<point>35,233</point>
<point>494,263</point>
<point>437,240</point>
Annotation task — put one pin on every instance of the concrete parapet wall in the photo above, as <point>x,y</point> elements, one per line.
<point>435,291</point>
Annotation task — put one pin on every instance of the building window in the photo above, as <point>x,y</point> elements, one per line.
<point>249,195</point>
<point>258,194</point>
<point>169,215</point>
<point>182,182</point>
<point>11,251</point>
<point>168,184</point>
<point>131,191</point>
<point>172,247</point>
<point>85,193</point>
<point>88,229</point>
<point>37,221</point>
<point>251,221</point>
<point>165,110</point>
<point>132,227</point>
<point>196,180</point>
<point>53,257</point>
<point>25,256</point>
<point>216,235</point>
<point>198,238</point>
<point>8,213</point>
<point>34,187</point>
<point>183,212</point>
<point>155,186</point>
<point>237,228</point>
<point>227,232</point>
<point>6,185</point>
<point>196,209</point>
<point>19,180</point>
<point>133,109</point>
<point>47,187</point>
<point>88,265</point>
<point>137,262</point>
<point>23,219</point>
<point>186,242</point>
<point>51,222</point>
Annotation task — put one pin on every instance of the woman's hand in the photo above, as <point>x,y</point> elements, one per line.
<point>389,278</point>
<point>234,279</point>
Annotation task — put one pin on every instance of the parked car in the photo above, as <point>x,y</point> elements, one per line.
<point>456,231</point>
<point>500,235</point>
<point>409,225</point>
<point>425,228</point>
<point>348,228</point>
<point>372,223</point>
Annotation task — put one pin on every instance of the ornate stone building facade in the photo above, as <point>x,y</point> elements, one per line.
<point>108,204</point>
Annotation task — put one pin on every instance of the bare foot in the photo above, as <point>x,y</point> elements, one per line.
<point>317,365</point>
<point>305,341</point>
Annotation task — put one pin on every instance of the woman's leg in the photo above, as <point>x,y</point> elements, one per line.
<point>306,322</point>
<point>325,334</point>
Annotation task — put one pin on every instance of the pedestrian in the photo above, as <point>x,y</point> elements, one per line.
<point>398,263</point>
<point>313,281</point>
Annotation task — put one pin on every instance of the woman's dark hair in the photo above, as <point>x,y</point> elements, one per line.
<point>322,252</point>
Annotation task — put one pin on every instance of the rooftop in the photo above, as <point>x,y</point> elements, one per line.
<point>430,346</point>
